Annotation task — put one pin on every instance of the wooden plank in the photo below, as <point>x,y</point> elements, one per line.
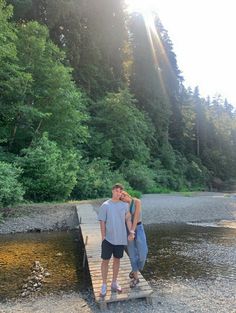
<point>90,230</point>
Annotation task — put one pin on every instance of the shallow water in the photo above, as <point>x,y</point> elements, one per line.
<point>58,252</point>
<point>176,251</point>
<point>181,251</point>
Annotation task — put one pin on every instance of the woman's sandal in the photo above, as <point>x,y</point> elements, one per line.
<point>134,283</point>
<point>131,275</point>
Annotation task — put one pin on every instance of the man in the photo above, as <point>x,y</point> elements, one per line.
<point>112,216</point>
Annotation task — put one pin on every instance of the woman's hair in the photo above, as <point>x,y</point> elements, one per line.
<point>126,194</point>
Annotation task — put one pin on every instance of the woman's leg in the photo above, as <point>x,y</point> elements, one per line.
<point>141,245</point>
<point>133,255</point>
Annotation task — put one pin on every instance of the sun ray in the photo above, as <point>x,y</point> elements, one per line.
<point>148,10</point>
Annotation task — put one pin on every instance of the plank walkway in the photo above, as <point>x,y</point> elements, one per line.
<point>90,230</point>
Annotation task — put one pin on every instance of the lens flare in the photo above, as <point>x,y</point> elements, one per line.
<point>148,9</point>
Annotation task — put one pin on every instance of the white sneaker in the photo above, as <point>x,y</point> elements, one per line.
<point>116,287</point>
<point>103,291</point>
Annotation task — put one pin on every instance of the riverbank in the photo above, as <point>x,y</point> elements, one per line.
<point>168,208</point>
<point>172,295</point>
<point>196,207</point>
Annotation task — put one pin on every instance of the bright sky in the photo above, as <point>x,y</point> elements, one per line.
<point>204,41</point>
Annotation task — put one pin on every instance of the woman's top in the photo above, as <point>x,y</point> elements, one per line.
<point>132,211</point>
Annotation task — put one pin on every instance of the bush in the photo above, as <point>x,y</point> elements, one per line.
<point>197,174</point>
<point>95,180</point>
<point>11,191</point>
<point>49,174</point>
<point>139,176</point>
<point>134,193</point>
<point>170,179</point>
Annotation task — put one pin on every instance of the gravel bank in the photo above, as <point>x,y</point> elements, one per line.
<point>169,296</point>
<point>200,207</point>
<point>41,217</point>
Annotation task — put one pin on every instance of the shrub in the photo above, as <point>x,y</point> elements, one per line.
<point>49,173</point>
<point>139,176</point>
<point>11,190</point>
<point>95,180</point>
<point>197,174</point>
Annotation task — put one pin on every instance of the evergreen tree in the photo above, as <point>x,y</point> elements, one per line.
<point>119,129</point>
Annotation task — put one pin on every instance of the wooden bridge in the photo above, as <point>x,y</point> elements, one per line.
<point>90,230</point>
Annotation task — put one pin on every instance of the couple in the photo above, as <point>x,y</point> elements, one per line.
<point>117,216</point>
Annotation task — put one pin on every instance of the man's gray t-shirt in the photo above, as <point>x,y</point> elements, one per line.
<point>113,214</point>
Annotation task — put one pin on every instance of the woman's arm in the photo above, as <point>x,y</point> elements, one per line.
<point>137,211</point>
<point>129,226</point>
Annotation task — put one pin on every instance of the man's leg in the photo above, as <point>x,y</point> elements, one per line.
<point>104,270</point>
<point>118,252</point>
<point>106,255</point>
<point>116,267</point>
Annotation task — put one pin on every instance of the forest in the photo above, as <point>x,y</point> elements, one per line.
<point>91,95</point>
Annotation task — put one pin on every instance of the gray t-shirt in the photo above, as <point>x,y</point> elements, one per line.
<point>113,214</point>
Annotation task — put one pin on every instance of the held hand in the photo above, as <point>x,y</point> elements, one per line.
<point>131,237</point>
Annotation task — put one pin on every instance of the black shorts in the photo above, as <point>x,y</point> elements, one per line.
<point>108,249</point>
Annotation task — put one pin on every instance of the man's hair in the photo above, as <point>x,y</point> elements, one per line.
<point>117,186</point>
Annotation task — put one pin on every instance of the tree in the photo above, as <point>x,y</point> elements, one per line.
<point>48,172</point>
<point>122,127</point>
<point>85,31</point>
<point>11,190</point>
<point>52,103</point>
<point>14,82</point>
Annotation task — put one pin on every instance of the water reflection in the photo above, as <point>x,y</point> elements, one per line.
<point>59,252</point>
<point>190,252</point>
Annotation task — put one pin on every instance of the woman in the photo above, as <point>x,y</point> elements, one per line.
<point>137,244</point>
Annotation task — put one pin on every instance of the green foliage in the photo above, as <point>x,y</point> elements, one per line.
<point>139,176</point>
<point>49,173</point>
<point>160,189</point>
<point>122,127</point>
<point>134,193</point>
<point>53,104</point>
<point>197,174</point>
<point>11,190</point>
<point>133,122</point>
<point>85,31</point>
<point>14,82</point>
<point>95,180</point>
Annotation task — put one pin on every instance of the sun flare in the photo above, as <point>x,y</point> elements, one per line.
<point>148,9</point>
<point>141,6</point>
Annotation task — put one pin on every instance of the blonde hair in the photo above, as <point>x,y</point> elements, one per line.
<point>126,194</point>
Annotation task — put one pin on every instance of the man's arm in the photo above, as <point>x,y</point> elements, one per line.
<point>103,229</point>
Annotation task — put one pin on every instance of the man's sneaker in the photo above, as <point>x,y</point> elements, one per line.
<point>116,287</point>
<point>103,290</point>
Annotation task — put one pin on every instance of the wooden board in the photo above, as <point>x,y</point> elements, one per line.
<point>90,230</point>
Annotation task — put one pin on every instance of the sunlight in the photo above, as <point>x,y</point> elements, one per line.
<point>148,9</point>
<point>141,6</point>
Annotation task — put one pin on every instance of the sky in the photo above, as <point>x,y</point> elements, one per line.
<point>204,41</point>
